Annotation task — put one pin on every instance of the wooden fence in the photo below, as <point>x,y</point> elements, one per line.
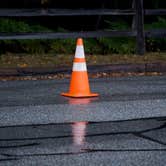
<point>137,30</point>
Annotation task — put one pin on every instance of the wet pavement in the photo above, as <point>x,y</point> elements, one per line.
<point>125,126</point>
<point>39,102</point>
<point>137,142</point>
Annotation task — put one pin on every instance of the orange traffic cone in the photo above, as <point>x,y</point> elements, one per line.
<point>79,83</point>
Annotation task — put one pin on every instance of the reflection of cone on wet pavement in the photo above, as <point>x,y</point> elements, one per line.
<point>81,101</point>
<point>79,84</point>
<point>79,131</point>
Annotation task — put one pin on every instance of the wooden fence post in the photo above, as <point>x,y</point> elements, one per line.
<point>133,20</point>
<point>140,46</point>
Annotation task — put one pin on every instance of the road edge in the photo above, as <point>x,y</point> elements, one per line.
<point>108,68</point>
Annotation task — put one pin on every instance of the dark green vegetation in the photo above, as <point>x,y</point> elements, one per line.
<point>63,24</point>
<point>67,46</point>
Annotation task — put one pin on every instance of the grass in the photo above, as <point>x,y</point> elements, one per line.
<point>51,60</point>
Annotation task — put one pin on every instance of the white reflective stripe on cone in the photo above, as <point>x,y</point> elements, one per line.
<point>79,52</point>
<point>79,66</point>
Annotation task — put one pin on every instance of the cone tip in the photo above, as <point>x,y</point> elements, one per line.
<point>79,41</point>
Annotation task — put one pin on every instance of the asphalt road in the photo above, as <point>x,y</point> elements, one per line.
<point>125,126</point>
<point>127,143</point>
<point>39,102</point>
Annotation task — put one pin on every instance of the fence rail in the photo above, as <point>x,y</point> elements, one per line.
<point>58,35</point>
<point>74,12</point>
<point>155,12</point>
<point>62,12</point>
<point>90,34</point>
<point>137,11</point>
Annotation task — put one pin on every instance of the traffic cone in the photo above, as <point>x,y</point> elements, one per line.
<point>79,83</point>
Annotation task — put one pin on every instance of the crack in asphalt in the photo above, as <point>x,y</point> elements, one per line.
<point>91,122</point>
<point>153,129</point>
<point>135,133</point>
<point>141,134</point>
<point>19,146</point>
<point>124,150</point>
<point>150,139</point>
<point>8,159</point>
<point>82,152</point>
